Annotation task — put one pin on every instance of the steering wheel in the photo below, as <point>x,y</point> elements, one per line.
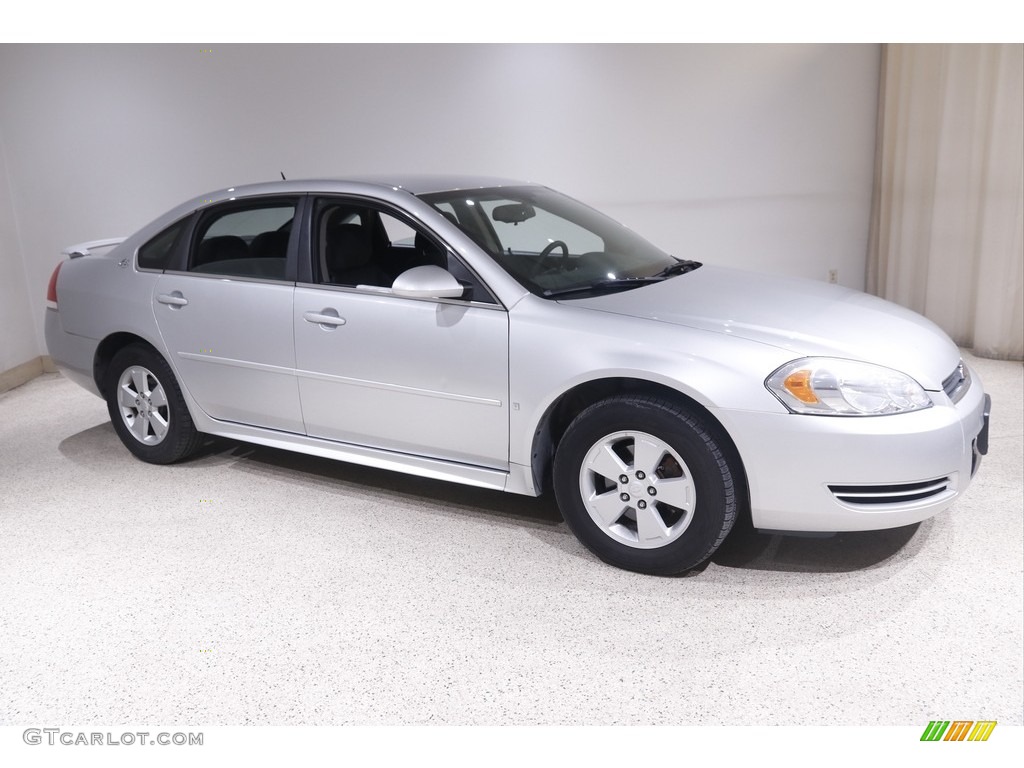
<point>538,265</point>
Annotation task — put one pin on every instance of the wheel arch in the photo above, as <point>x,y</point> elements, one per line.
<point>109,347</point>
<point>561,413</point>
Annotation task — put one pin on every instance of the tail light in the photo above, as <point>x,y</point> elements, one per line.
<point>51,289</point>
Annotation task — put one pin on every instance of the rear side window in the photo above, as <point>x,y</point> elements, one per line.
<point>157,252</point>
<point>250,241</point>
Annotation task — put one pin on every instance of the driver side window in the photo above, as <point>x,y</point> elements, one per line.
<point>358,245</point>
<point>361,246</point>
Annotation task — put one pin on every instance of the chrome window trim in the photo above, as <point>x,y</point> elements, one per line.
<point>384,295</point>
<point>231,278</point>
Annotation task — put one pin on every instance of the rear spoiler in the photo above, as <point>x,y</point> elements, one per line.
<point>83,249</point>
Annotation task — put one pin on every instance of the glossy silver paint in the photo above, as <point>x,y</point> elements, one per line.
<point>427,282</point>
<point>452,389</point>
<point>232,346</point>
<point>415,376</point>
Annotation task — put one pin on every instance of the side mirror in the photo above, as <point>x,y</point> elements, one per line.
<point>427,282</point>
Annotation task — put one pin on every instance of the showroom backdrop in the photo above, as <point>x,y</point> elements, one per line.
<point>947,235</point>
<point>759,157</point>
<point>754,156</point>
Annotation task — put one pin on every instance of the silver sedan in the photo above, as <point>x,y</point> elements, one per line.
<point>503,335</point>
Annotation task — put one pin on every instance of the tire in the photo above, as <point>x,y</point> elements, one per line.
<point>646,485</point>
<point>147,408</point>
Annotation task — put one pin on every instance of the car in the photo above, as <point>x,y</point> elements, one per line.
<point>500,334</point>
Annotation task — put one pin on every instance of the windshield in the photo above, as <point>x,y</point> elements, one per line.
<point>552,244</point>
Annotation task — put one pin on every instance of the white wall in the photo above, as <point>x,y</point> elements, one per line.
<point>18,342</point>
<point>756,156</point>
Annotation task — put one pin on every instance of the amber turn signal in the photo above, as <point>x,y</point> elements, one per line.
<point>799,385</point>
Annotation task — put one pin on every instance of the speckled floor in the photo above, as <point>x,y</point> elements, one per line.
<point>255,586</point>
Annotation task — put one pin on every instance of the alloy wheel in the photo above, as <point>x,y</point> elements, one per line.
<point>143,405</point>
<point>637,489</point>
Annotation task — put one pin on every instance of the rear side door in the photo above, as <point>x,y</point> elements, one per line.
<point>225,313</point>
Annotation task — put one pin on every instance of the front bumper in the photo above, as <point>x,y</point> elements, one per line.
<point>827,474</point>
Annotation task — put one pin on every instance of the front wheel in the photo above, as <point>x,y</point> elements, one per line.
<point>645,484</point>
<point>147,408</point>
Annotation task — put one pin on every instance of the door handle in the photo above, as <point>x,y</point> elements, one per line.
<point>327,319</point>
<point>173,299</point>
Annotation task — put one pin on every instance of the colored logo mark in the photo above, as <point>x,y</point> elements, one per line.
<point>958,730</point>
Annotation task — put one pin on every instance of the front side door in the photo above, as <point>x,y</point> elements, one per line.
<point>226,317</point>
<point>421,376</point>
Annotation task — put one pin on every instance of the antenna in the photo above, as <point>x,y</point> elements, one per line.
<point>282,176</point>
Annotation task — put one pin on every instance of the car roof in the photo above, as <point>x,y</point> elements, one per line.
<point>419,184</point>
<point>416,184</point>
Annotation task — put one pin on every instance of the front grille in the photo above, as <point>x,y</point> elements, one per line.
<point>901,493</point>
<point>957,383</point>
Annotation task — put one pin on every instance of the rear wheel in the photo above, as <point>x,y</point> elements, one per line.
<point>645,484</point>
<point>147,408</point>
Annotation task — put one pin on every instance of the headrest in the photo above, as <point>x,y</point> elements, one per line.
<point>269,245</point>
<point>221,248</point>
<point>348,246</point>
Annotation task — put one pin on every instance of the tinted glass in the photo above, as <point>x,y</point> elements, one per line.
<point>246,242</point>
<point>551,243</point>
<point>361,246</point>
<point>156,253</point>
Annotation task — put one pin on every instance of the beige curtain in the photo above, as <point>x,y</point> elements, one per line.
<point>946,230</point>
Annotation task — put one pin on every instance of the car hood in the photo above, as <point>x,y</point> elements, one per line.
<point>804,316</point>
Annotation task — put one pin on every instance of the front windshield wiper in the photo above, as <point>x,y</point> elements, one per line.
<point>678,268</point>
<point>601,285</point>
<point>681,267</point>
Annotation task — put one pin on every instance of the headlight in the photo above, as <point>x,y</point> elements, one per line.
<point>834,387</point>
